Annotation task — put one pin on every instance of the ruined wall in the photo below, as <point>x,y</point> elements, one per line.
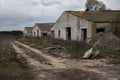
<point>35,31</point>
<point>76,24</point>
<point>26,33</point>
<point>85,24</point>
<point>103,25</point>
<point>61,25</point>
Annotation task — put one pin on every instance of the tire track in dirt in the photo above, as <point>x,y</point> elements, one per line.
<point>34,64</point>
<point>61,64</point>
<point>55,62</point>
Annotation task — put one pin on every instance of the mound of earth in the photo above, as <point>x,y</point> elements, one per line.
<point>101,43</point>
<point>104,40</point>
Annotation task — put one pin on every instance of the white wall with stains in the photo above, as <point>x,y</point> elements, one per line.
<point>76,24</point>
<point>34,32</point>
<point>26,33</point>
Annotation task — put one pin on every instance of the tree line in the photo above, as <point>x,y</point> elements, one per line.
<point>14,32</point>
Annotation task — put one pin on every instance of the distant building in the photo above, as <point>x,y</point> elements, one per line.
<point>27,32</point>
<point>80,25</point>
<point>41,29</point>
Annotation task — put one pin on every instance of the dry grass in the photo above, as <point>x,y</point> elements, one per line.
<point>74,48</point>
<point>10,67</point>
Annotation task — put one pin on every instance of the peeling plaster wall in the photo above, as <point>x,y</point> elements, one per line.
<point>25,33</point>
<point>85,24</point>
<point>35,31</point>
<point>103,25</point>
<point>76,24</point>
<point>61,25</point>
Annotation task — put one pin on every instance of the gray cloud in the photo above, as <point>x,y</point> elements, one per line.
<point>50,3</point>
<point>16,14</point>
<point>112,4</point>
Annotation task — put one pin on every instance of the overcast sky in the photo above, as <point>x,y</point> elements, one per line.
<point>16,14</point>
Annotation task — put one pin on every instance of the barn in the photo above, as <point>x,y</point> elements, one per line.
<point>80,25</point>
<point>41,29</point>
<point>27,32</point>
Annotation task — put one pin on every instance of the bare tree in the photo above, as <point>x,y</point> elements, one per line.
<point>95,5</point>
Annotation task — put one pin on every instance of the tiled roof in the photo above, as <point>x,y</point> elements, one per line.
<point>44,26</point>
<point>97,16</point>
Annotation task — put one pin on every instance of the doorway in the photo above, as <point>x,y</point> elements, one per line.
<point>100,30</point>
<point>44,34</point>
<point>68,33</point>
<point>37,33</point>
<point>52,33</point>
<point>34,34</point>
<point>84,33</point>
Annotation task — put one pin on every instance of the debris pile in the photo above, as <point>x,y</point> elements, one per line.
<point>55,51</point>
<point>101,41</point>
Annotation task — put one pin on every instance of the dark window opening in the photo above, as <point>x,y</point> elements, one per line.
<point>37,33</point>
<point>100,30</point>
<point>44,34</point>
<point>34,34</point>
<point>68,33</point>
<point>84,33</point>
<point>59,33</point>
<point>53,33</point>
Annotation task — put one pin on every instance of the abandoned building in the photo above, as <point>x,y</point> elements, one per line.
<point>27,32</point>
<point>41,29</point>
<point>80,25</point>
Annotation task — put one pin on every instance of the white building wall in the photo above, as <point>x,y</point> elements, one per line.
<point>60,25</point>
<point>35,31</point>
<point>26,33</point>
<point>73,23</point>
<point>62,33</point>
<point>39,33</point>
<point>76,24</point>
<point>85,24</point>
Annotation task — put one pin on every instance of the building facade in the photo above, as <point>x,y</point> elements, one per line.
<point>41,29</point>
<point>79,25</point>
<point>27,32</point>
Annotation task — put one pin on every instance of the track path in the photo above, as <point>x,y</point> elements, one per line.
<point>53,63</point>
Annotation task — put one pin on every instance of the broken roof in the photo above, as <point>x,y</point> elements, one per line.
<point>29,29</point>
<point>97,16</point>
<point>44,26</point>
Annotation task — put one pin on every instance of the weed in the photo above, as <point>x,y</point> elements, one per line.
<point>75,48</point>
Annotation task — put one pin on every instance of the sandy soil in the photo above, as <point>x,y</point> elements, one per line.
<point>51,68</point>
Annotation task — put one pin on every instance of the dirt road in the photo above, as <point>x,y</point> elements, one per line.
<point>46,67</point>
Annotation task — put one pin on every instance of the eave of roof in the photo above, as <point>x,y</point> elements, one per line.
<point>28,29</point>
<point>91,16</point>
<point>44,26</point>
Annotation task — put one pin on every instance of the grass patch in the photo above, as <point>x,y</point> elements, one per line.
<point>7,64</point>
<point>10,67</point>
<point>38,43</point>
<point>112,53</point>
<point>38,46</point>
<point>74,48</point>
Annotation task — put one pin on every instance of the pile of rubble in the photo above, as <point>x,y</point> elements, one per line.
<point>55,51</point>
<point>101,41</point>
